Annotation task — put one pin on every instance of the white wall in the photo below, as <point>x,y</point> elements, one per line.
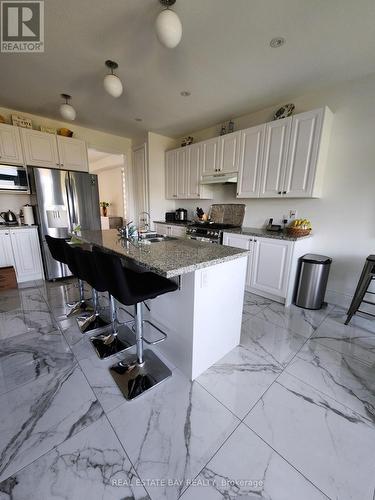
<point>156,147</point>
<point>343,219</point>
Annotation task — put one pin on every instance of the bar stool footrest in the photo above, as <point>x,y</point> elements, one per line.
<point>133,379</point>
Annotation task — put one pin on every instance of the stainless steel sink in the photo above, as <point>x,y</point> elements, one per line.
<point>160,237</point>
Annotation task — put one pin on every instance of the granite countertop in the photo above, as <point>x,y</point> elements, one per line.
<point>3,227</point>
<point>169,258</point>
<point>173,223</point>
<point>263,233</point>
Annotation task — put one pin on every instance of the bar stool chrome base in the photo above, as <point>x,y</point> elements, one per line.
<point>108,344</point>
<point>133,379</point>
<point>82,306</point>
<point>89,323</point>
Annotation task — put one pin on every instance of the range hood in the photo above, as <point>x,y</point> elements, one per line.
<point>219,179</point>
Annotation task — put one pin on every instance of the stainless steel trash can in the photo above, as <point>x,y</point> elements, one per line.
<point>312,282</point>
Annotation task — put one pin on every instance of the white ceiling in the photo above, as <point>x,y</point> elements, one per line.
<point>224,59</point>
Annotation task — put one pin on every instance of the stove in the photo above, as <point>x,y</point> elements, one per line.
<point>210,232</point>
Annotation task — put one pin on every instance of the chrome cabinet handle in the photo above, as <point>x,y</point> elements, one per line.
<point>279,192</point>
<point>284,192</point>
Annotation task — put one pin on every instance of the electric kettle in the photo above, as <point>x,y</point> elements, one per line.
<point>9,218</point>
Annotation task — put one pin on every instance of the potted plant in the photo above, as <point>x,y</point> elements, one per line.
<point>104,205</point>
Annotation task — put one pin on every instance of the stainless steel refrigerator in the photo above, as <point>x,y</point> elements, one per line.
<point>63,200</point>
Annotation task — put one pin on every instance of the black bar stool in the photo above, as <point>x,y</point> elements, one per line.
<point>84,263</point>
<point>144,370</point>
<point>368,274</point>
<point>120,337</point>
<point>60,251</point>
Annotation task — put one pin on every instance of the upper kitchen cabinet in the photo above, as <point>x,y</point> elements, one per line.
<point>229,149</point>
<point>307,153</point>
<point>182,175</point>
<point>40,148</point>
<point>140,180</point>
<point>10,145</point>
<point>170,175</point>
<point>210,156</point>
<point>72,154</point>
<point>250,163</point>
<point>274,158</point>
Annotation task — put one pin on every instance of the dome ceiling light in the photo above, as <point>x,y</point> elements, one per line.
<point>168,26</point>
<point>111,82</point>
<point>66,110</point>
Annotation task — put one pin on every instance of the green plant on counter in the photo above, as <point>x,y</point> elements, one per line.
<point>104,204</point>
<point>75,231</point>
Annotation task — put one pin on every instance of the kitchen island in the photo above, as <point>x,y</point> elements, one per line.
<point>203,317</point>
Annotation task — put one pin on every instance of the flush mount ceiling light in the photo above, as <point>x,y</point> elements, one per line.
<point>185,93</point>
<point>138,119</point>
<point>168,26</point>
<point>112,83</point>
<point>277,42</point>
<point>66,110</point>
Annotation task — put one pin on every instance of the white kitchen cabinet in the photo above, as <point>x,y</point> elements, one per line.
<point>170,175</point>
<point>271,266</point>
<point>10,145</point>
<point>275,158</point>
<point>40,149</point>
<point>196,190</point>
<point>303,154</point>
<point>210,156</point>
<point>229,152</point>
<point>72,154</point>
<point>182,165</point>
<point>250,163</point>
<point>20,248</point>
<point>178,231</point>
<point>6,253</point>
<point>245,242</point>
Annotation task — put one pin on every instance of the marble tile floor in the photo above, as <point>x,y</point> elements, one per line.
<point>287,415</point>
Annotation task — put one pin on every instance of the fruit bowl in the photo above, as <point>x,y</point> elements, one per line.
<point>299,227</point>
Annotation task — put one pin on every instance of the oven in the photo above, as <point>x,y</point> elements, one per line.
<point>204,234</point>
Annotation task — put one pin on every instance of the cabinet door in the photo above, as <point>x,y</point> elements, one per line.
<point>229,152</point>
<point>161,229</point>
<point>72,154</point>
<point>40,148</point>
<point>170,175</point>
<point>194,175</point>
<point>303,153</point>
<point>26,252</point>
<point>182,172</point>
<point>271,266</point>
<point>274,159</point>
<point>240,241</point>
<point>210,156</point>
<point>10,145</point>
<point>6,253</point>
<point>178,231</point>
<point>250,165</point>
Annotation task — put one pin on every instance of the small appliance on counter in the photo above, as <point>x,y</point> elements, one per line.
<point>274,228</point>
<point>8,218</point>
<point>170,216</point>
<point>181,215</point>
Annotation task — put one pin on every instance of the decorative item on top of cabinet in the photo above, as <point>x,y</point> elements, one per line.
<point>22,121</point>
<point>284,111</point>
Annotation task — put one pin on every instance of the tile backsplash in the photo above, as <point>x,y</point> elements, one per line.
<point>13,202</point>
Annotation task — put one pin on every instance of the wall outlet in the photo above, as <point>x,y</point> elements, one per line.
<point>292,214</point>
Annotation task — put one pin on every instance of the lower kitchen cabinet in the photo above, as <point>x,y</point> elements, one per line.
<point>171,230</point>
<point>20,248</point>
<point>272,264</point>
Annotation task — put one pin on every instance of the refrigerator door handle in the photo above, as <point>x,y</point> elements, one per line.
<point>74,200</point>
<point>69,200</point>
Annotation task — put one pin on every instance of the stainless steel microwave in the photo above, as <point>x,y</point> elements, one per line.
<point>13,178</point>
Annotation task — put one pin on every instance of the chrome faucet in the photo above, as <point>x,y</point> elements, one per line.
<point>144,221</point>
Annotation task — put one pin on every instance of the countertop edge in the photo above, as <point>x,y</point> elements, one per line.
<point>262,233</point>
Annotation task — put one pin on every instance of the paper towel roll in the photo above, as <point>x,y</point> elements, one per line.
<point>28,216</point>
